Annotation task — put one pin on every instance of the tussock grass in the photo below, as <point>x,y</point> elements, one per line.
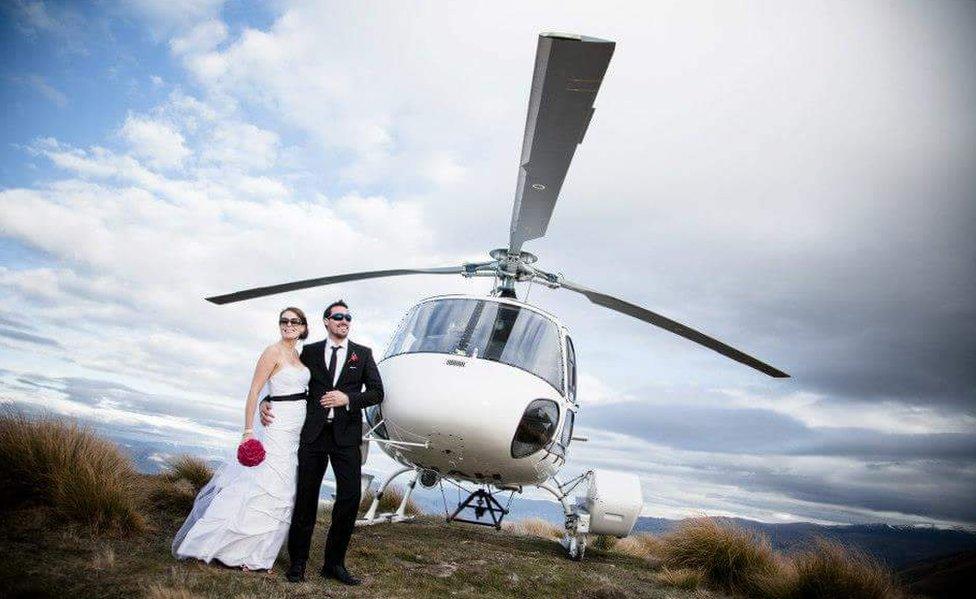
<point>390,501</point>
<point>728,557</point>
<point>601,542</point>
<point>736,561</point>
<point>189,468</point>
<point>645,546</point>
<point>182,478</point>
<point>534,527</point>
<point>831,570</point>
<point>62,465</point>
<point>172,495</point>
<point>682,578</point>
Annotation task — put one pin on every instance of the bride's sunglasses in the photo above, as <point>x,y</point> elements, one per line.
<point>340,317</point>
<point>290,321</point>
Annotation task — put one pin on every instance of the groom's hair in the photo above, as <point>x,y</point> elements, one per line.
<point>328,311</point>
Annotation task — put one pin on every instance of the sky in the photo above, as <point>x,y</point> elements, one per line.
<point>796,179</point>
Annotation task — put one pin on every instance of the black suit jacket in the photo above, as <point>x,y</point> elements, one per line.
<point>359,378</point>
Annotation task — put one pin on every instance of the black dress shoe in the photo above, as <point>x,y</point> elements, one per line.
<point>339,573</point>
<point>296,572</point>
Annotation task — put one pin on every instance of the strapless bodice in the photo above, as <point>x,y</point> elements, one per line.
<point>289,380</point>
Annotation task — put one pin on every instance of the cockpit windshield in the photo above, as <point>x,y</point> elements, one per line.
<point>483,329</point>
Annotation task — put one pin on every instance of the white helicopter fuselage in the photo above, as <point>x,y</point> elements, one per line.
<point>461,412</point>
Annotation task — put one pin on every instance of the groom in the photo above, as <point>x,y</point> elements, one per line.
<point>332,431</point>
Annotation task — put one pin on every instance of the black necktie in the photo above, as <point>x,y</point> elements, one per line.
<point>332,369</point>
<point>332,362</point>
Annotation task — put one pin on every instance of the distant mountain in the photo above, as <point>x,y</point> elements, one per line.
<point>947,577</point>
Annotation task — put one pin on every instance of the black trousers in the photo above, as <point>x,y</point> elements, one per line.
<point>313,459</point>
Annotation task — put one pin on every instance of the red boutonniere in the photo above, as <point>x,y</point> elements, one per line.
<point>354,358</point>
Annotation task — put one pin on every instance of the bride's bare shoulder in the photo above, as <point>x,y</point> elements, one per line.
<point>272,352</point>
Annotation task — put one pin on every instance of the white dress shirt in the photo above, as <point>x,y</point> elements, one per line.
<point>340,360</point>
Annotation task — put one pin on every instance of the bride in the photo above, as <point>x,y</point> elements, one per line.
<point>240,518</point>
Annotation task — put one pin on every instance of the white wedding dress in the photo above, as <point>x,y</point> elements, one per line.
<point>241,516</point>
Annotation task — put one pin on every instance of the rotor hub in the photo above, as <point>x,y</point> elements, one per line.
<point>504,255</point>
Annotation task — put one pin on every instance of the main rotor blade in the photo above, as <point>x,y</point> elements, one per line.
<point>567,76</point>
<point>355,276</point>
<point>608,301</point>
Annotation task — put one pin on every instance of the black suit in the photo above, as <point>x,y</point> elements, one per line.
<point>339,442</point>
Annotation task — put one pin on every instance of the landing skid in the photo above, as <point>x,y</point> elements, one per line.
<point>400,515</point>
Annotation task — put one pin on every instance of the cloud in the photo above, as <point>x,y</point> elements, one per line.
<point>22,336</point>
<point>52,94</point>
<point>168,18</point>
<point>157,142</point>
<point>763,432</point>
<point>203,37</point>
<point>242,145</point>
<point>141,234</point>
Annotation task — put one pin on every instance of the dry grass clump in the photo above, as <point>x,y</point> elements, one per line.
<point>62,465</point>
<point>831,570</point>
<point>172,495</point>
<point>189,468</point>
<point>703,551</point>
<point>728,557</point>
<point>601,542</point>
<point>645,546</point>
<point>182,478</point>
<point>535,527</point>
<point>390,501</point>
<point>682,578</point>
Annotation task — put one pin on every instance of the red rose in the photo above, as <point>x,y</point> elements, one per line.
<point>250,452</point>
<point>354,358</point>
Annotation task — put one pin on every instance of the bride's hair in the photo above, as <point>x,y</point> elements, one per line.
<point>301,316</point>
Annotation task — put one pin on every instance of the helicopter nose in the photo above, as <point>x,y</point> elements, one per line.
<point>475,408</point>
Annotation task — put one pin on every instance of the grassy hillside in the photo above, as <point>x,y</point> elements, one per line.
<point>78,521</point>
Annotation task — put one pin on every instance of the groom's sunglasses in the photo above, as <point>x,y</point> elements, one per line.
<point>339,317</point>
<point>291,321</point>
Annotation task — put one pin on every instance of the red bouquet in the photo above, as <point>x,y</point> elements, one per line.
<point>250,452</point>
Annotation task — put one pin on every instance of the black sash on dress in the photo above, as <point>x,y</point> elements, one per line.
<point>293,397</point>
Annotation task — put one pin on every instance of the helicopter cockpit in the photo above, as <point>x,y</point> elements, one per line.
<point>484,328</point>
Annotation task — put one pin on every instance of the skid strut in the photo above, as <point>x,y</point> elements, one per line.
<point>400,515</point>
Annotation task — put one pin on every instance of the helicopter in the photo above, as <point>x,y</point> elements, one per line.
<point>482,390</point>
